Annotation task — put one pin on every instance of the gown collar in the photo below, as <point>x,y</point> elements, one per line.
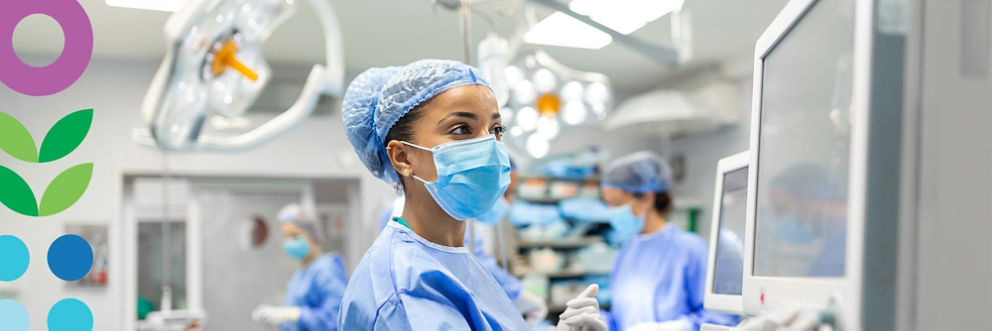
<point>425,242</point>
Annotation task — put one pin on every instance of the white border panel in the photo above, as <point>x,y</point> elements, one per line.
<point>733,304</point>
<point>763,294</point>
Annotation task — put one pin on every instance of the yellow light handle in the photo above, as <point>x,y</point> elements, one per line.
<point>226,58</point>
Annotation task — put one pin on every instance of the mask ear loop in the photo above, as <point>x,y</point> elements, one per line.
<point>423,148</point>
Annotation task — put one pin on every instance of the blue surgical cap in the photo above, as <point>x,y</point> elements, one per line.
<point>293,213</point>
<point>640,172</point>
<point>379,97</point>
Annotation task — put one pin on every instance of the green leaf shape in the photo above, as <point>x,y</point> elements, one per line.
<point>16,194</point>
<point>16,140</point>
<point>65,135</point>
<point>66,189</point>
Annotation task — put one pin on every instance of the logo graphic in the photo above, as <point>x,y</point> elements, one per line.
<point>76,50</point>
<point>60,140</point>
<point>69,258</point>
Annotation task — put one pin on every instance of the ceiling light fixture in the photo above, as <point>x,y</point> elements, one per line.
<point>625,16</point>
<point>559,29</point>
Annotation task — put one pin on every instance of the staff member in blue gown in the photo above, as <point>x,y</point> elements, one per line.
<point>313,294</point>
<point>659,275</point>
<point>432,128</point>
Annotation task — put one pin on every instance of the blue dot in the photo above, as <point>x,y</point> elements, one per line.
<point>70,257</point>
<point>70,315</point>
<point>15,258</point>
<point>13,315</point>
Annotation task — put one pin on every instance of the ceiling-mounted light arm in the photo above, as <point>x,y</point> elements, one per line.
<point>547,61</point>
<point>662,55</point>
<point>176,121</point>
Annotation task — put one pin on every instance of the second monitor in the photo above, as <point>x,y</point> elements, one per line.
<point>725,269</point>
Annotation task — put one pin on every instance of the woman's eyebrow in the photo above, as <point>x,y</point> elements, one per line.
<point>464,114</point>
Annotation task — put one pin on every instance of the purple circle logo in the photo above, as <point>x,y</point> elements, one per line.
<point>76,52</point>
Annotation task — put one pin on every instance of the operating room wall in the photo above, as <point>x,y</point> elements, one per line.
<point>115,89</point>
<point>701,154</point>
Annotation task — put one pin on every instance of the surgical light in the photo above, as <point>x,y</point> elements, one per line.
<point>537,146</point>
<point>524,92</point>
<point>544,80</point>
<point>214,66</point>
<point>597,93</point>
<point>559,29</point>
<point>513,75</point>
<point>492,64</point>
<point>572,91</point>
<point>506,114</point>
<point>599,109</point>
<point>625,16</point>
<point>527,118</point>
<point>547,127</point>
<point>573,113</point>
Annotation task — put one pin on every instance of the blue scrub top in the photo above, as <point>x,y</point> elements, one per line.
<point>405,282</point>
<point>511,285</point>
<point>317,289</point>
<point>660,277</point>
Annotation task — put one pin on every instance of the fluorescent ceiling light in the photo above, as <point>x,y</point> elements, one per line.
<point>161,5</point>
<point>624,16</point>
<point>560,29</point>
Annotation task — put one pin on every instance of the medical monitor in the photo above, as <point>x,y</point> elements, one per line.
<point>807,166</point>
<point>725,266</point>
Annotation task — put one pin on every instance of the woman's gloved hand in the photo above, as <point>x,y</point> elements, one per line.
<point>275,315</point>
<point>532,307</point>
<point>582,313</point>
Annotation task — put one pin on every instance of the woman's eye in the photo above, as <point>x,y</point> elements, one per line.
<point>461,130</point>
<point>498,131</point>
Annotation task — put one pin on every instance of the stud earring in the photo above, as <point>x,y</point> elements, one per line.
<point>406,172</point>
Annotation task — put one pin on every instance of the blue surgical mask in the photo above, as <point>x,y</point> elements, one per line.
<point>472,175</point>
<point>495,214</point>
<point>625,224</point>
<point>298,248</point>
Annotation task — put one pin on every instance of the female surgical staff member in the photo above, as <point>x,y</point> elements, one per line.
<point>313,294</point>
<point>658,277</point>
<point>431,127</point>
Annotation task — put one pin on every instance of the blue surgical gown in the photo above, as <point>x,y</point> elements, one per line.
<point>317,290</point>
<point>660,277</point>
<point>511,285</point>
<point>405,282</point>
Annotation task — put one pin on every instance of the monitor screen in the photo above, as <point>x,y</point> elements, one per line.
<point>728,273</point>
<point>803,147</point>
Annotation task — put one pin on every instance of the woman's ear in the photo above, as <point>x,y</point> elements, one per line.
<point>647,201</point>
<point>399,157</point>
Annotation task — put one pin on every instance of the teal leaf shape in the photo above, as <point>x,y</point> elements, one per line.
<point>16,140</point>
<point>65,136</point>
<point>65,189</point>
<point>16,194</point>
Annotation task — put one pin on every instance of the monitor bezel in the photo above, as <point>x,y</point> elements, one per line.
<point>764,294</point>
<point>725,303</point>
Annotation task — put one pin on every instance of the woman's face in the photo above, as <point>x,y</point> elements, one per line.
<point>460,113</point>
<point>616,198</point>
